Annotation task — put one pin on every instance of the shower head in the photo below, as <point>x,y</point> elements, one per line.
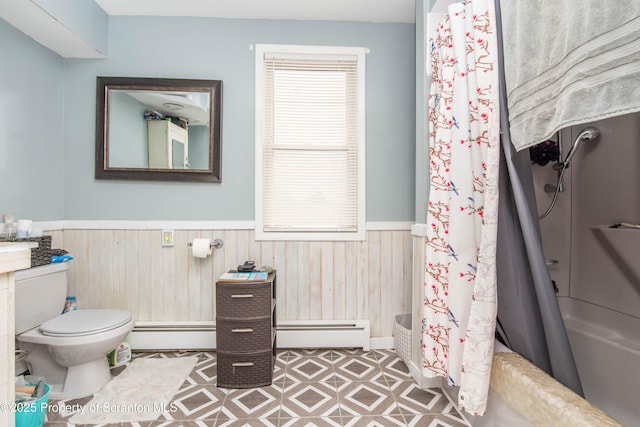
<point>587,134</point>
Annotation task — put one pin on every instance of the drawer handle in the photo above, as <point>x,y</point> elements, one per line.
<point>241,364</point>
<point>241,295</point>
<point>242,330</point>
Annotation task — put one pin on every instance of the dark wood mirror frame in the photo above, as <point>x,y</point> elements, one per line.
<point>102,168</point>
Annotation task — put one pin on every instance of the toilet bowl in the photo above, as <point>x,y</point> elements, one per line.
<point>68,350</point>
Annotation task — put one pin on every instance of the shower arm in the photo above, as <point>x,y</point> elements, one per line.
<point>585,135</point>
<point>550,188</point>
<point>559,163</point>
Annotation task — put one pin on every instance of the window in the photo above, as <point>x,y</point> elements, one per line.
<point>310,143</point>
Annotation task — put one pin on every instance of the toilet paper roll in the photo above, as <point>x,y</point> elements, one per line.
<point>201,248</point>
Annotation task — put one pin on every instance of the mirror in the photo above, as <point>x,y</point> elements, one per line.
<point>158,129</point>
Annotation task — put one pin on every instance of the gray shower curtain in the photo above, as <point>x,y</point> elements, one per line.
<point>529,319</point>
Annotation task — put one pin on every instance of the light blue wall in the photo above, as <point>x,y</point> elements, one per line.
<point>422,111</point>
<point>219,49</point>
<point>31,128</point>
<point>209,48</point>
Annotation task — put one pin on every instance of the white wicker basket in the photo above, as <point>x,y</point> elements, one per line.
<point>402,337</point>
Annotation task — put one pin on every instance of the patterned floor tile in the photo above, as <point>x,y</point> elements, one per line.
<point>376,421</point>
<point>259,422</point>
<point>196,423</point>
<point>344,381</point>
<point>307,399</point>
<point>279,374</point>
<point>205,371</point>
<point>287,414</point>
<point>370,355</point>
<point>414,400</point>
<point>305,369</point>
<point>321,387</point>
<point>62,409</point>
<point>352,368</point>
<point>451,412</point>
<point>194,402</point>
<point>394,369</point>
<point>358,352</point>
<point>433,420</point>
<point>366,398</point>
<point>167,354</point>
<point>311,422</point>
<point>310,368</point>
<point>333,355</point>
<point>262,402</point>
<point>281,361</point>
<point>303,352</point>
<point>382,354</point>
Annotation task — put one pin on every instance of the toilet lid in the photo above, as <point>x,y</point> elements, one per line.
<point>85,322</point>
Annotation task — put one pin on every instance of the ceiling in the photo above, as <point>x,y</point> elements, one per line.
<point>322,10</point>
<point>36,22</point>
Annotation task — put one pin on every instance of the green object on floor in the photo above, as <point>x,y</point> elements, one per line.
<point>120,356</point>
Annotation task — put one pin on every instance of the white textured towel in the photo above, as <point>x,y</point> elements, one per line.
<point>140,393</point>
<point>569,62</point>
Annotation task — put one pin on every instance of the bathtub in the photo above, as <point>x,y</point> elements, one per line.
<point>522,395</point>
<point>606,347</point>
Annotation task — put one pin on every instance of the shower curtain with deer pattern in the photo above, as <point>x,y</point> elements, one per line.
<point>459,307</point>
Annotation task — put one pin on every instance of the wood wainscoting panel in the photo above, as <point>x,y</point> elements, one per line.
<point>130,269</point>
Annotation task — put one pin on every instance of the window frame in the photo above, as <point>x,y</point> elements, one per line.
<point>312,52</point>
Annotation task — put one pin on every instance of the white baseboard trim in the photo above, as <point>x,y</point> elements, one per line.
<point>324,334</point>
<point>382,343</point>
<point>166,336</point>
<point>421,380</point>
<point>172,339</point>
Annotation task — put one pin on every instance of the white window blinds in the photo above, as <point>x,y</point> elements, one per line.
<point>312,144</point>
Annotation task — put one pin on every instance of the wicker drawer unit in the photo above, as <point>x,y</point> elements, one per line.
<point>243,300</point>
<point>240,335</point>
<point>246,333</point>
<point>246,370</point>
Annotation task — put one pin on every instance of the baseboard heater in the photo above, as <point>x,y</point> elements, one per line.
<point>176,336</point>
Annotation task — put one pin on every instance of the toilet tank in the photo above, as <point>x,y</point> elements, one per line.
<point>40,294</point>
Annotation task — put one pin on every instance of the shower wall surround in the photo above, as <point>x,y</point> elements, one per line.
<point>601,189</point>
<point>597,273</point>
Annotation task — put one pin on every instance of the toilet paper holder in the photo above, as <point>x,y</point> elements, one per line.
<point>217,244</point>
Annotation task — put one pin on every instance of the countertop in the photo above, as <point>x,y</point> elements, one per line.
<point>15,256</point>
<point>16,246</point>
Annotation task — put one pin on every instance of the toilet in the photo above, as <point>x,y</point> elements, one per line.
<point>69,350</point>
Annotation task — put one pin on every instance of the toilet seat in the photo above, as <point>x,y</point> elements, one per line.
<point>84,322</point>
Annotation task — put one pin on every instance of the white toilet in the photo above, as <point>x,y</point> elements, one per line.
<point>68,350</point>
